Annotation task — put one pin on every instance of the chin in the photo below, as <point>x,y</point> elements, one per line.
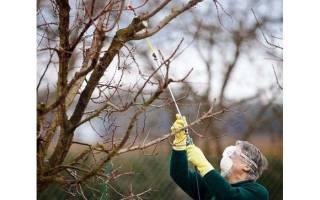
<point>224,174</point>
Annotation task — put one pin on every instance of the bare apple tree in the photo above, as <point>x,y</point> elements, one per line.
<point>88,70</point>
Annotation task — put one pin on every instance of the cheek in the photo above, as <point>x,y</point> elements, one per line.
<point>237,165</point>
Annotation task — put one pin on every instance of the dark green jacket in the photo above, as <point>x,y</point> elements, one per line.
<point>212,185</point>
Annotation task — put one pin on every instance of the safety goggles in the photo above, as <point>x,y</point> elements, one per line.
<point>235,150</point>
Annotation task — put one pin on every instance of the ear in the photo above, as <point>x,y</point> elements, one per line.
<point>246,168</point>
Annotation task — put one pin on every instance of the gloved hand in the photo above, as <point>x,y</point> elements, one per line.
<point>180,137</point>
<point>197,158</point>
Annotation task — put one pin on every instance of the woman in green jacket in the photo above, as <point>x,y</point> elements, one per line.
<point>241,165</point>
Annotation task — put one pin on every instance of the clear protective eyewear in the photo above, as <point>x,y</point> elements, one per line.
<point>235,150</point>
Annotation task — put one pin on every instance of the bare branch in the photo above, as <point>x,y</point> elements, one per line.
<point>156,10</point>
<point>275,74</point>
<point>174,13</point>
<point>264,36</point>
<point>205,116</point>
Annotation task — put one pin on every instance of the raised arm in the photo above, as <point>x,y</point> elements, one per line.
<point>189,181</point>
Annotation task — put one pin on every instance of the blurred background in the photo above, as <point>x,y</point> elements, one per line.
<point>234,49</point>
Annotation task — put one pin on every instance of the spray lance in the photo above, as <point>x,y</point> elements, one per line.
<point>155,58</point>
<point>154,55</point>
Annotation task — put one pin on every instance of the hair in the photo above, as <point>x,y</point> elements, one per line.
<point>254,154</point>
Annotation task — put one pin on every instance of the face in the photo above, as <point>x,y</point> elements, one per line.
<point>231,163</point>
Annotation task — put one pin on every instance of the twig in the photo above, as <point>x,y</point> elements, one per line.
<point>275,74</point>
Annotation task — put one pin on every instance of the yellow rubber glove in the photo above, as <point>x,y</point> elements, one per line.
<point>180,137</point>
<point>197,158</point>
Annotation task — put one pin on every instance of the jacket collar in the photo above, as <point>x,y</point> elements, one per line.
<point>242,182</point>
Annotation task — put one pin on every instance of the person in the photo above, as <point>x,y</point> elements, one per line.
<point>241,165</point>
